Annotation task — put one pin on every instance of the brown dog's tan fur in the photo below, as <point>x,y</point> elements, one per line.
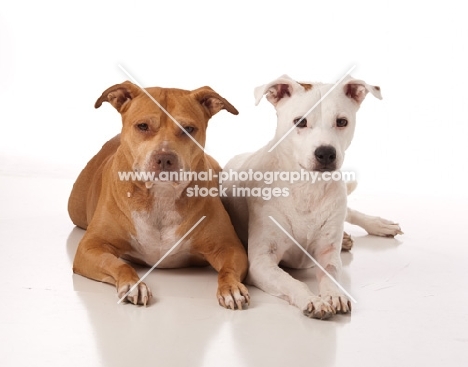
<point>107,207</point>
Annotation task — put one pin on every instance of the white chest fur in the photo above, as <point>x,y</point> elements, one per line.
<point>316,212</point>
<point>156,233</point>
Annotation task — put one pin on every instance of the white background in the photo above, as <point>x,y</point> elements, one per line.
<point>409,153</point>
<point>57,57</point>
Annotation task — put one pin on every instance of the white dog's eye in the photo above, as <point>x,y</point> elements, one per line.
<point>300,122</point>
<point>341,122</point>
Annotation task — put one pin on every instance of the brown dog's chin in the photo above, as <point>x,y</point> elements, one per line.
<point>164,183</point>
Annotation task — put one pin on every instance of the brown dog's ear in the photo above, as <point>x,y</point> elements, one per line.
<point>358,89</point>
<point>278,89</point>
<point>118,95</point>
<point>212,101</point>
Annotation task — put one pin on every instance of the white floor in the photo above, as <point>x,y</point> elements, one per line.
<point>411,292</point>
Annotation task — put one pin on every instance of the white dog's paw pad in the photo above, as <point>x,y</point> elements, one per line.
<point>318,308</point>
<point>140,295</point>
<point>233,296</point>
<point>347,243</point>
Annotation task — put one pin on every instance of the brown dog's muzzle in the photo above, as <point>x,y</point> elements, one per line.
<point>164,162</point>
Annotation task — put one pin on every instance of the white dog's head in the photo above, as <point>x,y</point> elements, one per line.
<point>321,131</point>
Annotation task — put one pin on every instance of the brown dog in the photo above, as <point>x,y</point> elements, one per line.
<point>140,220</point>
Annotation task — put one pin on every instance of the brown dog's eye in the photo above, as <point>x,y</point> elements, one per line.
<point>341,122</point>
<point>143,127</point>
<point>189,129</point>
<point>300,122</point>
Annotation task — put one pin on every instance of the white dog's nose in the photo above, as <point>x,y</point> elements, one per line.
<point>325,155</point>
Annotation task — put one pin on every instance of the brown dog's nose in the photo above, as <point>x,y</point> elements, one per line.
<point>325,154</point>
<point>166,162</point>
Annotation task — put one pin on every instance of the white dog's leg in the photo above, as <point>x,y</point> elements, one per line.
<point>373,225</point>
<point>327,254</point>
<point>264,273</point>
<point>265,252</point>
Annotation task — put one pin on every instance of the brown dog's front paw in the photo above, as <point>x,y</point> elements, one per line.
<point>140,295</point>
<point>233,296</point>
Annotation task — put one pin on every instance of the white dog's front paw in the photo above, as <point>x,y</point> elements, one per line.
<point>382,227</point>
<point>318,308</point>
<point>339,302</point>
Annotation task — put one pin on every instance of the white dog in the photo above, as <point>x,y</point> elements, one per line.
<point>312,214</point>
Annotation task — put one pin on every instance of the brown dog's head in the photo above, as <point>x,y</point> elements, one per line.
<point>164,129</point>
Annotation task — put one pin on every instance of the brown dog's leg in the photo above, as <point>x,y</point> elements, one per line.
<point>100,261</point>
<point>230,260</point>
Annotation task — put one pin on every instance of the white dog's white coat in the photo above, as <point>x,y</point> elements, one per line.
<point>313,214</point>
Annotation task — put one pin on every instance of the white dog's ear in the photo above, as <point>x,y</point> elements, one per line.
<point>276,90</point>
<point>358,89</point>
